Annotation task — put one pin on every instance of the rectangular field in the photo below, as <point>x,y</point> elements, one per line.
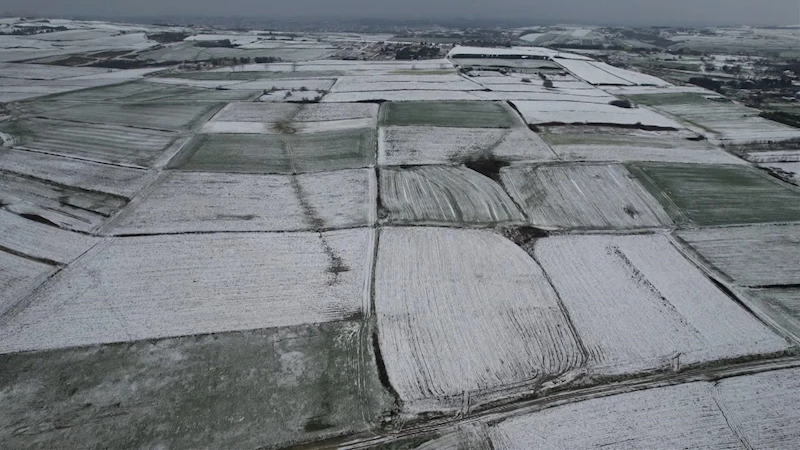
<point>583,143</point>
<point>19,276</point>
<point>583,196</point>
<point>57,205</point>
<point>781,304</point>
<point>720,118</point>
<point>708,195</point>
<point>196,201</point>
<point>174,285</point>
<point>639,306</point>
<point>273,153</point>
<point>153,394</point>
<point>750,256</point>
<point>567,113</point>
<point>414,145</point>
<point>292,112</point>
<point>683,416</point>
<point>377,83</point>
<point>449,195</point>
<point>465,312</point>
<point>105,143</point>
<point>764,408</point>
<point>448,114</point>
<point>158,116</point>
<point>41,241</point>
<point>122,181</point>
<point>589,72</point>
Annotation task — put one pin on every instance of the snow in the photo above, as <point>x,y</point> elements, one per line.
<point>19,277</point>
<point>638,305</point>
<point>465,311</point>
<point>764,408</point>
<point>683,416</point>
<point>74,172</point>
<point>588,71</point>
<point>537,52</point>
<point>790,169</point>
<point>196,201</point>
<point>399,145</point>
<point>369,84</point>
<point>755,255</point>
<point>537,113</point>
<point>272,113</point>
<point>45,72</point>
<point>399,96</point>
<point>301,127</point>
<point>41,241</point>
<point>160,286</point>
<point>636,78</point>
<point>583,196</point>
<point>436,194</point>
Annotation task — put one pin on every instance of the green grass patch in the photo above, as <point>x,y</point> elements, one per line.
<point>707,195</point>
<point>278,153</point>
<point>466,114</point>
<point>256,389</point>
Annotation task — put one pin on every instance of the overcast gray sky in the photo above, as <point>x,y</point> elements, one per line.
<point>779,12</point>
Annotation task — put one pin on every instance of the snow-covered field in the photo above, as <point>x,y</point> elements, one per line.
<point>158,286</point>
<point>399,96</point>
<point>197,201</point>
<point>41,241</point>
<point>398,145</point>
<point>19,277</point>
<point>592,74</point>
<point>428,83</point>
<point>272,113</point>
<point>578,143</point>
<point>449,195</point>
<point>465,312</point>
<point>58,205</point>
<point>638,305</point>
<point>136,147</point>
<point>583,196</point>
<point>757,255</point>
<point>540,113</point>
<point>685,416</point>
<point>87,175</point>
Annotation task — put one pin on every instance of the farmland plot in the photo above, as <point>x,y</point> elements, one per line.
<point>272,153</point>
<point>120,291</point>
<point>377,83</point>
<point>449,195</point>
<point>589,71</point>
<point>401,96</point>
<point>57,205</point>
<point>197,201</point>
<point>448,114</point>
<point>272,113</point>
<point>41,241</point>
<point>764,408</point>
<point>781,304</point>
<point>750,256</point>
<point>553,113</point>
<point>707,195</point>
<point>277,118</point>
<point>554,95</point>
<point>86,175</point>
<point>683,416</point>
<point>638,305</point>
<point>160,116</point>
<point>583,196</point>
<point>721,118</point>
<point>157,393</point>
<point>614,144</point>
<point>141,91</point>
<point>19,276</point>
<point>465,311</point>
<point>401,145</point>
<point>105,143</point>
<point>789,171</point>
